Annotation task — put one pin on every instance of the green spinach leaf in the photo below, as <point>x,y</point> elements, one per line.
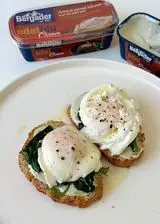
<point>30,152</point>
<point>85,184</point>
<point>80,125</point>
<point>55,191</point>
<point>103,170</point>
<point>134,146</point>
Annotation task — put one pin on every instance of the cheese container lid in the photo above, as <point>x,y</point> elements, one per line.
<point>57,25</point>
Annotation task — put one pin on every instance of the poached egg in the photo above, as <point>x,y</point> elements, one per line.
<point>110,117</point>
<point>66,155</point>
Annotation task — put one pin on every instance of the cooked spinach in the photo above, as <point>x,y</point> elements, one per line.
<point>103,170</point>
<point>80,125</point>
<point>85,184</point>
<point>54,190</point>
<point>78,115</point>
<point>134,146</point>
<point>82,184</point>
<point>30,152</point>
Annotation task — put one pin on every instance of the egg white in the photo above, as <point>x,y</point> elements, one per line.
<point>75,164</point>
<point>126,118</point>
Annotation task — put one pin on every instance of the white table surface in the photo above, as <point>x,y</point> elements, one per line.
<point>12,63</point>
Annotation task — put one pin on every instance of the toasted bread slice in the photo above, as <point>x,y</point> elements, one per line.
<point>79,201</point>
<point>124,160</point>
<point>121,160</point>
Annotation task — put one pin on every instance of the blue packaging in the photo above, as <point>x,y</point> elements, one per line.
<point>135,38</point>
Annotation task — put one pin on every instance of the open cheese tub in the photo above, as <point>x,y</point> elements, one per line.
<point>139,38</point>
<point>64,30</point>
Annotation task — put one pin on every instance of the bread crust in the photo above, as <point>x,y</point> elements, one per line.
<point>79,201</point>
<point>125,162</point>
<point>119,160</point>
<point>69,115</point>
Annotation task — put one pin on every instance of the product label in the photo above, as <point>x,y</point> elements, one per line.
<point>67,23</point>
<point>48,44</point>
<point>51,52</point>
<point>140,53</point>
<point>34,17</point>
<point>142,59</point>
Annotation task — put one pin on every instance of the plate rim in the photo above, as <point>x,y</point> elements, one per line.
<point>5,91</point>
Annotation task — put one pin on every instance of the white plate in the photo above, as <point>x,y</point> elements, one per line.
<point>36,97</point>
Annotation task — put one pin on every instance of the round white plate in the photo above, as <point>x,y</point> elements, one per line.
<point>36,97</point>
